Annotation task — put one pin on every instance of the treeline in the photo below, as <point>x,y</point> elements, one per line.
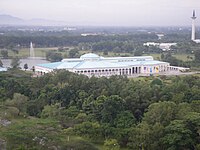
<point>68,40</point>
<point>191,62</point>
<point>146,113</point>
<point>128,43</point>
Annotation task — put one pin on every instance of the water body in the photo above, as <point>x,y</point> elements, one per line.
<point>30,61</point>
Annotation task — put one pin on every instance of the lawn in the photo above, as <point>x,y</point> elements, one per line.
<point>183,57</point>
<point>41,52</point>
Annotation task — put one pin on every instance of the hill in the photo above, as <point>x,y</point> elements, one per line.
<point>8,19</point>
<point>12,20</point>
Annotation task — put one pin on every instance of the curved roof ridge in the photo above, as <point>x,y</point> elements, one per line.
<point>78,64</point>
<point>89,56</point>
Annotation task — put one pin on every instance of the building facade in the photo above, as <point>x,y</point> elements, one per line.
<point>93,65</point>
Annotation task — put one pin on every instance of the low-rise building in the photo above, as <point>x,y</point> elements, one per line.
<point>163,46</point>
<point>94,65</point>
<point>3,69</point>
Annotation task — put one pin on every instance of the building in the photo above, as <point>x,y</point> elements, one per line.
<point>163,46</point>
<point>93,65</point>
<point>166,46</point>
<point>160,36</point>
<point>3,69</point>
<point>193,38</point>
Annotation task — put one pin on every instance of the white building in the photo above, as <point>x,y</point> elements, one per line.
<point>93,65</point>
<point>166,46</point>
<point>3,69</point>
<point>163,46</point>
<point>151,44</point>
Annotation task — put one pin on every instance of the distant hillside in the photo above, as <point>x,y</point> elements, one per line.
<point>11,20</point>
<point>7,19</point>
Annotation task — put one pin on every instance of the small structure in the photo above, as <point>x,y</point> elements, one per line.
<point>163,46</point>
<point>3,69</point>
<point>166,46</point>
<point>181,69</point>
<point>160,36</point>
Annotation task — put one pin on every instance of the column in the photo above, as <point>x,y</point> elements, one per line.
<point>133,70</point>
<point>130,71</point>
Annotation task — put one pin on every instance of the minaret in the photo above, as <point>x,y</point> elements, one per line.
<point>32,53</point>
<point>193,25</point>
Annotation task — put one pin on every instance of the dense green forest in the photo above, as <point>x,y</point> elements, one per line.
<point>103,42</point>
<point>64,110</point>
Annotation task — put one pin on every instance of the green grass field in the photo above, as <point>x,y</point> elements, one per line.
<point>39,52</point>
<point>183,57</point>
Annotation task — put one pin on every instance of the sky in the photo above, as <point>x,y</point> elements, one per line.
<point>106,12</point>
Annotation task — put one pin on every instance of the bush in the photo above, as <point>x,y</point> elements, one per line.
<point>79,145</point>
<point>111,144</point>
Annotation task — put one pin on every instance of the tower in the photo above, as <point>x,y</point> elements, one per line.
<point>193,26</point>
<point>32,53</point>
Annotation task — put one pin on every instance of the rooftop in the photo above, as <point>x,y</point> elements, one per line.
<point>94,61</point>
<point>90,56</point>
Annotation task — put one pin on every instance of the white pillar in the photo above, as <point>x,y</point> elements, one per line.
<point>193,30</point>
<point>131,71</point>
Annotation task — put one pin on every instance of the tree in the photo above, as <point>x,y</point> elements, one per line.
<point>157,81</point>
<point>197,55</point>
<point>111,107</point>
<point>137,96</point>
<point>61,49</point>
<point>15,62</point>
<point>125,120</point>
<point>91,130</point>
<point>105,52</point>
<point>19,101</point>
<point>1,63</point>
<point>54,57</point>
<point>79,145</point>
<point>98,106</point>
<point>25,66</point>
<point>4,53</point>
<point>73,53</point>
<point>51,111</point>
<point>177,136</point>
<point>162,56</point>
<point>145,136</point>
<point>139,136</point>
<point>111,144</point>
<point>162,112</point>
<point>138,53</point>
<point>33,68</point>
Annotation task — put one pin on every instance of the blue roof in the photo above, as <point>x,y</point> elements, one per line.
<point>98,64</point>
<point>93,61</point>
<point>53,65</point>
<point>67,65</point>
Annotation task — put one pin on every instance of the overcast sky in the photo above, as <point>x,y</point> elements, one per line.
<point>106,12</point>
